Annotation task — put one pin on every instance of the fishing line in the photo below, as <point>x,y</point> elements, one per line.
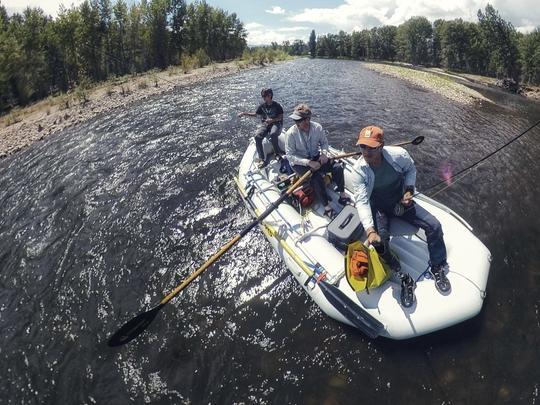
<point>462,172</point>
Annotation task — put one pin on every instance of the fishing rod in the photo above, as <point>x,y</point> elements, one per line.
<point>466,169</point>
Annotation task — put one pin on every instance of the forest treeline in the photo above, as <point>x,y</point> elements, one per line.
<point>99,39</point>
<point>490,47</point>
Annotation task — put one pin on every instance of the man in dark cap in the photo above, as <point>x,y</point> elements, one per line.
<point>271,115</point>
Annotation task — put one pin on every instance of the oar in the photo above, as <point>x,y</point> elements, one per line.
<point>415,141</point>
<point>137,325</point>
<point>358,316</point>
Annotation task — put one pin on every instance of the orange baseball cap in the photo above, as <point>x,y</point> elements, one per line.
<point>371,136</point>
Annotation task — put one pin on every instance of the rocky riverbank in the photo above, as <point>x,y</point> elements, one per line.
<point>22,128</point>
<point>443,85</point>
<point>447,83</point>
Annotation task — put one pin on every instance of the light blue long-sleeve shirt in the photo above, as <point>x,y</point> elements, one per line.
<point>363,179</point>
<point>300,147</point>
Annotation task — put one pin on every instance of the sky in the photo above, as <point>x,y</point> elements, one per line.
<point>277,21</point>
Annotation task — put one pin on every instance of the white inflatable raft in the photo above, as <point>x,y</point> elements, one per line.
<point>301,240</point>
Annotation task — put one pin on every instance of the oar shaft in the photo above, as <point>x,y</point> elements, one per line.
<point>346,155</point>
<point>197,272</point>
<point>233,241</point>
<point>402,143</point>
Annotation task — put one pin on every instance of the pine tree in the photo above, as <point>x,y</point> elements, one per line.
<point>312,44</point>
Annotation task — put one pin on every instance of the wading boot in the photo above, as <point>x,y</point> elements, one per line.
<point>407,290</point>
<point>441,282</point>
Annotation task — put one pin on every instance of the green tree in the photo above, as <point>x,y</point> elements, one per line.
<point>359,44</point>
<point>500,40</point>
<point>312,44</point>
<point>118,38</point>
<point>454,44</point>
<point>32,76</point>
<point>136,39</point>
<point>414,39</point>
<point>529,46</point>
<point>10,56</point>
<point>65,32</point>
<point>89,42</point>
<point>178,12</point>
<point>158,33</point>
<point>105,18</point>
<point>4,20</point>
<point>343,45</point>
<point>298,47</point>
<point>387,42</point>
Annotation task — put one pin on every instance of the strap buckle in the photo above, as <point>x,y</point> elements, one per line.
<point>318,275</point>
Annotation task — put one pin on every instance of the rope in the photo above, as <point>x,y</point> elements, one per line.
<point>455,176</point>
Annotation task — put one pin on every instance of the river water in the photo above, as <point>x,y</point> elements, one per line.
<point>99,221</point>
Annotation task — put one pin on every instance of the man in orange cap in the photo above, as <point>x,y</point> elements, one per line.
<point>384,184</point>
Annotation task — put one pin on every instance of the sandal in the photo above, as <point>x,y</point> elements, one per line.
<point>406,295</point>
<point>345,201</point>
<point>442,284</point>
<point>330,213</point>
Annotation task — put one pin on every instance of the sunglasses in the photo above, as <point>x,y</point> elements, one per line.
<point>366,148</point>
<point>300,120</point>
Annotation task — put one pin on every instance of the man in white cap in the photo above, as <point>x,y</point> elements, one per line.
<point>307,149</point>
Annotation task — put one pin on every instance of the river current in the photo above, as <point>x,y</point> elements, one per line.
<point>100,221</point>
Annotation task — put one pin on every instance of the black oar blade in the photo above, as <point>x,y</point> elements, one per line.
<point>133,328</point>
<point>358,317</point>
<point>418,140</point>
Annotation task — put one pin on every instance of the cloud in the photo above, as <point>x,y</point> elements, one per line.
<point>359,14</point>
<point>293,29</point>
<point>525,29</point>
<point>50,7</point>
<point>259,34</point>
<point>253,26</point>
<point>275,10</point>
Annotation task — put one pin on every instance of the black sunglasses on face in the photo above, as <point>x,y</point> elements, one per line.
<point>368,148</point>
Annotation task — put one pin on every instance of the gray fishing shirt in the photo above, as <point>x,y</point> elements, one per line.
<point>302,147</point>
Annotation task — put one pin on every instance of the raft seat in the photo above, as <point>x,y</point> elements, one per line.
<point>398,227</point>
